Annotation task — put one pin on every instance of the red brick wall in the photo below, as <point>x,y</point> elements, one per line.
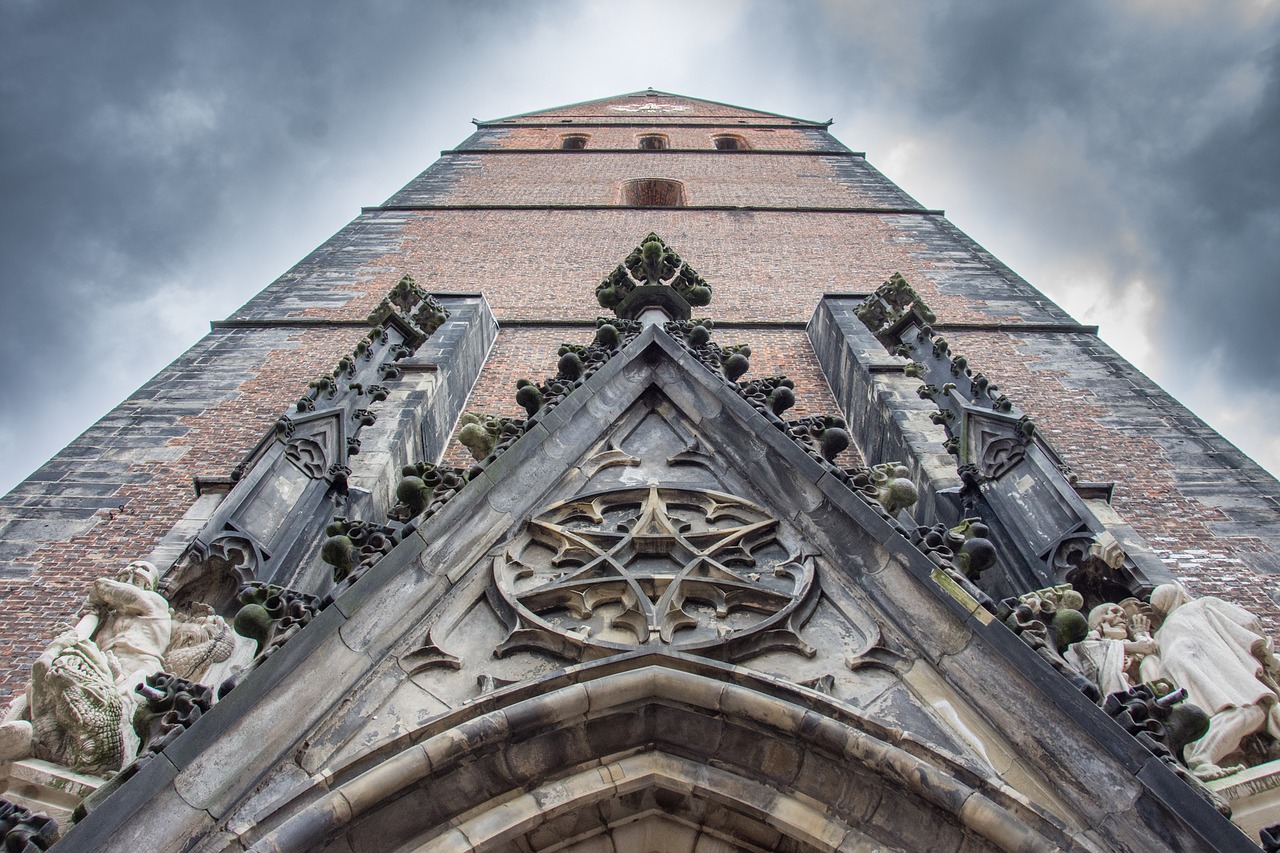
<point>584,177</point>
<point>545,264</point>
<point>531,353</point>
<point>155,498</point>
<point>762,139</point>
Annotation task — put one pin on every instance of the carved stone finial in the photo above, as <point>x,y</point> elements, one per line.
<point>892,301</point>
<point>412,306</point>
<point>653,276</point>
<point>1049,620</point>
<point>894,489</point>
<point>480,432</point>
<point>353,546</point>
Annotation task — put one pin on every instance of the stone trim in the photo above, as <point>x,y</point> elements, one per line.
<point>787,152</point>
<point>606,695</point>
<point>915,211</point>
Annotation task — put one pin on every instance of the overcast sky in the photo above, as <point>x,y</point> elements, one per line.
<point>162,162</point>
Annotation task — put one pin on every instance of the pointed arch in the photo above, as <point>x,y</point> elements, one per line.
<point>708,747</point>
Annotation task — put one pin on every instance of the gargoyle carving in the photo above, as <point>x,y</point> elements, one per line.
<point>78,710</point>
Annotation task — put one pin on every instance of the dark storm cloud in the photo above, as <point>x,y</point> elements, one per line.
<point>145,148</point>
<point>160,163</point>
<point>1156,102</point>
<point>1139,139</point>
<point>1218,231</point>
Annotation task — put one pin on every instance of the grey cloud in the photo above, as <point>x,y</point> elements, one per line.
<point>1141,136</point>
<point>192,152</point>
<point>146,147</point>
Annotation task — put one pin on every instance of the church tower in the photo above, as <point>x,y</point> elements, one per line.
<point>647,474</point>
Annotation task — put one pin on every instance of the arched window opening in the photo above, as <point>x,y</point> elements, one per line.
<point>573,142</point>
<point>653,192</point>
<point>653,142</point>
<point>730,143</point>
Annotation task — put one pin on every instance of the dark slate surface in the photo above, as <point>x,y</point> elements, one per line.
<point>1167,796</point>
<point>821,140</point>
<point>152,782</point>
<point>483,138</point>
<point>434,184</point>
<point>960,266</point>
<point>343,260</point>
<point>865,180</point>
<point>61,499</point>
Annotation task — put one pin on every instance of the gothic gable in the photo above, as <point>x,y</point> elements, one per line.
<point>652,524</point>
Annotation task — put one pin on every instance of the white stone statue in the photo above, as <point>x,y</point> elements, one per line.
<point>79,706</point>
<point>1115,644</point>
<point>130,622</point>
<point>1219,653</point>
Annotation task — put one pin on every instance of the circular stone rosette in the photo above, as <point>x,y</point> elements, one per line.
<point>652,567</point>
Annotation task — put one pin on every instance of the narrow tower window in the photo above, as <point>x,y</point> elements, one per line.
<point>653,142</point>
<point>653,192</point>
<point>573,142</point>
<point>730,143</point>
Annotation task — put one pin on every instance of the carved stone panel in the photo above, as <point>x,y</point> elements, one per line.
<point>653,567</point>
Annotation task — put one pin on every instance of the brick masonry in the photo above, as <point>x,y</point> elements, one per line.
<point>628,138</point>
<point>1204,507</point>
<point>531,353</point>
<point>113,493</point>
<point>596,178</point>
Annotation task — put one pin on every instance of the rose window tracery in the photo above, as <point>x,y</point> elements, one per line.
<point>650,567</point>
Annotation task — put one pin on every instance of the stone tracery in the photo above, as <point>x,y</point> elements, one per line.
<point>684,568</point>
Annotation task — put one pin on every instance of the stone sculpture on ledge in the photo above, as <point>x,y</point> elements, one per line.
<point>1219,653</point>
<point>1114,647</point>
<point>78,710</point>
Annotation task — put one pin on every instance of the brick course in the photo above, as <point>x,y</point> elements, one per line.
<point>627,138</point>
<point>545,264</point>
<point>586,177</point>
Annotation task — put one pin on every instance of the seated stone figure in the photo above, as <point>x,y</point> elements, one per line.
<point>79,706</point>
<point>1219,653</point>
<point>1115,642</point>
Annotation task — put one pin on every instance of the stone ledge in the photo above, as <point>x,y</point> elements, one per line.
<point>46,788</point>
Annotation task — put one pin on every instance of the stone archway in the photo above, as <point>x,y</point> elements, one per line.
<point>655,746</point>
